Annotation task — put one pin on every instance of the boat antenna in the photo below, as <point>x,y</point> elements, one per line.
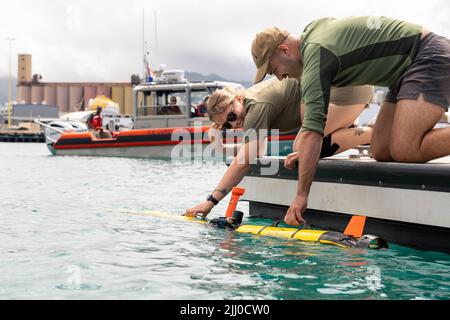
<point>143,45</point>
<point>148,73</point>
<point>156,35</point>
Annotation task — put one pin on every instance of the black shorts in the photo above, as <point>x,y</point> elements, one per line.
<point>328,149</point>
<point>429,74</point>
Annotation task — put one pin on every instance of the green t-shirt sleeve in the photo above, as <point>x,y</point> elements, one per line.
<point>320,67</point>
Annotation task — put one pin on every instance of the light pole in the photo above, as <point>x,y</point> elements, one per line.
<point>9,81</point>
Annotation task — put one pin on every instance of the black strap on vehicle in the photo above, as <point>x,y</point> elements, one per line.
<point>296,231</point>
<point>275,224</point>
<point>305,226</point>
<point>262,229</point>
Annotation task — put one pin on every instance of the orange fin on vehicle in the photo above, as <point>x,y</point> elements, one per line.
<point>355,227</point>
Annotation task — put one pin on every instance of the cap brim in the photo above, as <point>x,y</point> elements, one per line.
<point>261,72</point>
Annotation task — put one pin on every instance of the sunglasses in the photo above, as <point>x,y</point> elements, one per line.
<point>231,116</point>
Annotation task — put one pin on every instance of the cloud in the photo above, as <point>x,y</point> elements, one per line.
<point>102,40</point>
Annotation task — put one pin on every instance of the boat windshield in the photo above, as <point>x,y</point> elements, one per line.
<point>166,103</point>
<point>162,103</point>
<point>198,96</point>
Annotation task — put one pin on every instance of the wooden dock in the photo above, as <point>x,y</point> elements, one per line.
<point>21,136</point>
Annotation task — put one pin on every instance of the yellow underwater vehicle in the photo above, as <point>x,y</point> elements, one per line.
<point>352,237</point>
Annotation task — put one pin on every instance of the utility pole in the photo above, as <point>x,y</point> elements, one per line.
<point>9,81</point>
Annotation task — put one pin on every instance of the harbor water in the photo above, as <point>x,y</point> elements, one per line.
<point>76,228</point>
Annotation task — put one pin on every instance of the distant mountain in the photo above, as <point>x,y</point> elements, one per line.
<point>4,90</point>
<point>195,76</point>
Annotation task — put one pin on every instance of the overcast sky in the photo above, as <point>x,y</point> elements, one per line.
<point>86,40</point>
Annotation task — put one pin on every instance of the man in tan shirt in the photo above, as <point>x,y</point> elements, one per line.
<point>275,104</point>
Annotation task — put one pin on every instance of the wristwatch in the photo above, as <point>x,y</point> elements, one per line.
<point>212,199</point>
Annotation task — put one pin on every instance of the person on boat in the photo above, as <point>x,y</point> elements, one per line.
<point>173,106</point>
<point>275,104</point>
<point>201,109</point>
<point>95,125</point>
<point>411,61</point>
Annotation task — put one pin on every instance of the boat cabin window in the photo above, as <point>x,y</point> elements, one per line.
<point>162,103</point>
<point>175,104</point>
<point>167,102</point>
<point>199,99</point>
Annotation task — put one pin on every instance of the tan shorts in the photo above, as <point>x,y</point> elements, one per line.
<point>346,96</point>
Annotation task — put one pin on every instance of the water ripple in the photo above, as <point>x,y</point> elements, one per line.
<point>66,234</point>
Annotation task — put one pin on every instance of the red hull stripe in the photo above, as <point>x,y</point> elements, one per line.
<point>128,144</point>
<point>91,145</point>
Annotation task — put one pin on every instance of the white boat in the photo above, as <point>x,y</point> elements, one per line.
<point>404,203</point>
<point>160,129</point>
<point>77,122</point>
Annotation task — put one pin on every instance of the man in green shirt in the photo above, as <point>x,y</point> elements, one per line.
<point>413,62</point>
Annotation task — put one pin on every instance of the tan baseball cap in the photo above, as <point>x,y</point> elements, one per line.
<point>263,46</point>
